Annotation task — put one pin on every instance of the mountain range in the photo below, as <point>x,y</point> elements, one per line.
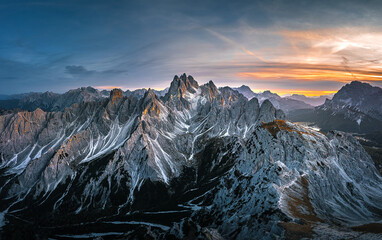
<point>49,101</point>
<point>198,162</point>
<point>313,101</point>
<point>287,104</point>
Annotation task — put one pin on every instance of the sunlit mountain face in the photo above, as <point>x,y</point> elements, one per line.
<point>276,134</point>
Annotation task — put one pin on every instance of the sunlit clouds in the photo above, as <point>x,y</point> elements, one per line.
<point>323,55</point>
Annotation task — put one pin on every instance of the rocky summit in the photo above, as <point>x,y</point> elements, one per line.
<point>197,163</point>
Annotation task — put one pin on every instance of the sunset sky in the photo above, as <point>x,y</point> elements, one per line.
<point>305,47</point>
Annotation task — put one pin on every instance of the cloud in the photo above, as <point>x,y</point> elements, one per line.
<point>333,43</point>
<point>234,44</point>
<point>77,70</point>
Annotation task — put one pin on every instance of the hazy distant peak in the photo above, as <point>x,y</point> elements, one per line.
<point>244,87</point>
<point>246,91</point>
<point>314,101</point>
<point>270,94</point>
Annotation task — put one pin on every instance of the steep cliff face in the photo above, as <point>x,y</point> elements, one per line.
<point>199,162</point>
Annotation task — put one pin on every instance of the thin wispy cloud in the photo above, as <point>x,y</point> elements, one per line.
<point>234,44</point>
<point>77,70</point>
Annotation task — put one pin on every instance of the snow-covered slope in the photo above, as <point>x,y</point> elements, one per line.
<point>200,162</point>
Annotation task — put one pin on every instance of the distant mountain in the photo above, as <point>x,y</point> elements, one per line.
<point>105,93</point>
<point>45,101</point>
<point>139,93</point>
<point>198,163</point>
<point>356,107</point>
<point>286,104</point>
<point>359,97</point>
<point>246,91</point>
<point>314,101</point>
<point>49,101</point>
<point>10,103</point>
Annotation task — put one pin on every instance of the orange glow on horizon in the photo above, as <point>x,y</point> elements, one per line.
<point>311,75</point>
<point>308,93</point>
<point>107,87</point>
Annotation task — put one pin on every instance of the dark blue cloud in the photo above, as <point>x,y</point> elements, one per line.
<point>77,70</point>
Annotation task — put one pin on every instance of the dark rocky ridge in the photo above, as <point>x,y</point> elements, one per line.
<point>49,101</point>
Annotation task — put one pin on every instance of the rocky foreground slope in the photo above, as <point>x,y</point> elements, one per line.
<point>198,163</point>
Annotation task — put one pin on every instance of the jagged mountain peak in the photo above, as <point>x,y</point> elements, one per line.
<point>286,104</point>
<point>180,85</point>
<point>149,96</point>
<point>267,111</point>
<point>211,85</point>
<point>116,94</point>
<point>88,88</point>
<point>356,107</point>
<point>210,89</point>
<point>246,91</point>
<point>358,84</point>
<point>151,104</point>
<point>245,87</point>
<point>189,79</point>
<point>355,86</point>
<point>47,94</point>
<point>356,90</point>
<point>150,92</point>
<point>356,97</point>
<point>270,94</point>
<point>267,104</point>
